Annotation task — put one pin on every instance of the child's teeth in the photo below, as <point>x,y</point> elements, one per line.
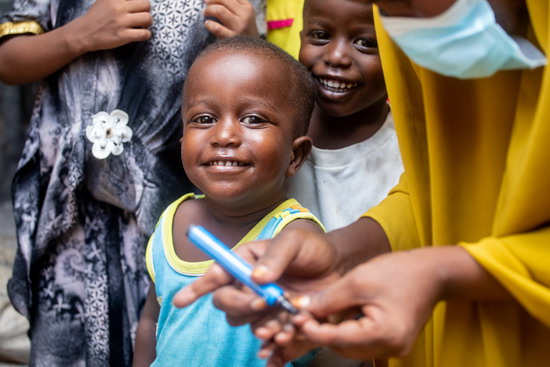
<point>226,163</point>
<point>337,85</point>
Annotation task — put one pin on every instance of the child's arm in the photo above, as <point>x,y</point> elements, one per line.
<point>144,351</point>
<point>106,25</point>
<point>235,17</point>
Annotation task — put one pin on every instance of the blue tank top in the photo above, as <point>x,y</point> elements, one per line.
<point>199,334</point>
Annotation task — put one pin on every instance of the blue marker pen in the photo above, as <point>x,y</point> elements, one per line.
<point>236,266</point>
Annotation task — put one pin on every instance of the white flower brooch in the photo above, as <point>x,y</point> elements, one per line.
<point>108,133</point>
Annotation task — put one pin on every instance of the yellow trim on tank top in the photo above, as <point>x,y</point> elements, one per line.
<point>197,268</point>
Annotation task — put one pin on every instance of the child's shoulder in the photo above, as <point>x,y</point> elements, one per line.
<point>295,216</point>
<point>184,201</point>
<point>306,224</point>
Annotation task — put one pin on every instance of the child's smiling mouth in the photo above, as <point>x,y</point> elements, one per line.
<point>334,87</point>
<point>226,163</point>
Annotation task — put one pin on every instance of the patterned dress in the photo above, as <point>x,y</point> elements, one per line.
<point>83,223</point>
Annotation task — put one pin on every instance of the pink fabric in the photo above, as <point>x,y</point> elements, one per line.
<point>278,24</point>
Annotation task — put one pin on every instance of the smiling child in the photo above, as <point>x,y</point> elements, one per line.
<point>355,158</point>
<point>241,142</point>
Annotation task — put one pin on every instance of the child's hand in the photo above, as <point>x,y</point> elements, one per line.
<point>112,23</point>
<point>282,341</point>
<point>236,17</point>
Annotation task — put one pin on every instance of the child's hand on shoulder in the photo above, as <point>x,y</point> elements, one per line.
<point>235,17</point>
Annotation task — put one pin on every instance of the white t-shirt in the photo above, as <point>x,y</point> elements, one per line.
<point>338,185</point>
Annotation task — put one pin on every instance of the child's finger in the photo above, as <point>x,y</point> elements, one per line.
<point>268,330</point>
<point>286,335</point>
<point>266,349</point>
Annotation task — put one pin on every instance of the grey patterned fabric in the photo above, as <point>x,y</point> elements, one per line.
<point>83,223</point>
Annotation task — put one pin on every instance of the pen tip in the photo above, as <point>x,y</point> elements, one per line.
<point>288,306</point>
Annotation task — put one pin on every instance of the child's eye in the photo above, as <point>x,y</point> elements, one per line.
<point>204,119</point>
<point>253,120</point>
<point>364,44</point>
<point>319,35</point>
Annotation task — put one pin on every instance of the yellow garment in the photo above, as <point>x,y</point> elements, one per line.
<point>286,37</point>
<point>477,173</point>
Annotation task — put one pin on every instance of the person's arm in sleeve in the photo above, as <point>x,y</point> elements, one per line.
<point>397,218</point>
<point>519,262</point>
<point>106,25</point>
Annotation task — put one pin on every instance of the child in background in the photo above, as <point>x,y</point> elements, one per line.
<point>355,159</point>
<point>241,141</point>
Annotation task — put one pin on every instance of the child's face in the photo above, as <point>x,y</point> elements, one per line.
<point>339,48</point>
<point>237,142</point>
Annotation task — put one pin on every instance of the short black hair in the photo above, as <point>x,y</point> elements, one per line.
<point>301,91</point>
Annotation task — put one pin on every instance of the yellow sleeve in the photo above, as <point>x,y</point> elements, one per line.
<point>395,216</point>
<point>520,263</point>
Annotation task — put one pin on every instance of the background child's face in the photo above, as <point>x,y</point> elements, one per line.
<point>237,120</point>
<point>339,48</point>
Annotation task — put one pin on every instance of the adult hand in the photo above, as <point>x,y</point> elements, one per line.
<point>396,294</point>
<point>234,17</point>
<point>298,260</point>
<point>112,23</point>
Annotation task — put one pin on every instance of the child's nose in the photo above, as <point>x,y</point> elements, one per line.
<point>227,132</point>
<point>338,54</point>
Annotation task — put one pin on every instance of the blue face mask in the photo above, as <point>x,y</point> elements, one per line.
<point>463,42</point>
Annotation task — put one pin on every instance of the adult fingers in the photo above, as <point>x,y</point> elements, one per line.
<point>341,295</point>
<point>219,12</point>
<point>139,20</point>
<point>352,338</point>
<point>296,252</point>
<point>217,29</point>
<point>215,278</point>
<point>134,35</point>
<point>237,304</point>
<point>364,338</point>
<point>138,6</point>
<point>233,6</point>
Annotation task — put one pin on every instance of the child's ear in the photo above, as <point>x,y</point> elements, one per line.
<point>301,147</point>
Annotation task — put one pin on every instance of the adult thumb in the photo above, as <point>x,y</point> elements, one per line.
<point>339,297</point>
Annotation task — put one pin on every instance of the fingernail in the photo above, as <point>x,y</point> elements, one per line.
<point>258,304</point>
<point>260,271</point>
<point>301,301</point>
<point>264,354</point>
